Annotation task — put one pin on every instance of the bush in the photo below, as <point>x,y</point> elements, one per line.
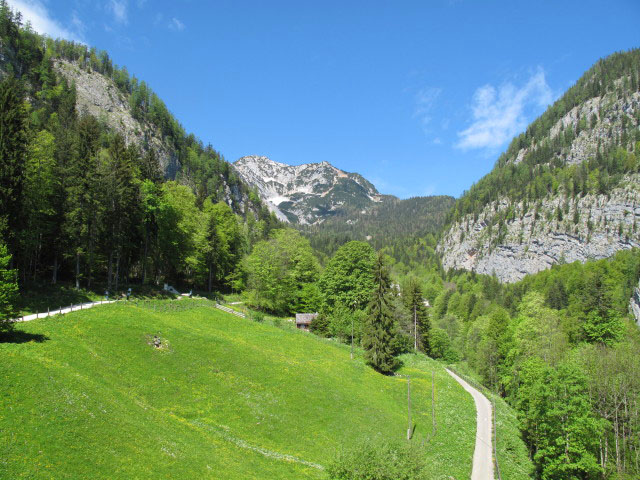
<point>380,460</point>
<point>8,290</point>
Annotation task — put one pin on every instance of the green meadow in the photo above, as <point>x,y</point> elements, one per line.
<point>89,395</point>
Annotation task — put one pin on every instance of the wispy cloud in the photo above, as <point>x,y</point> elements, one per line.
<point>35,12</point>
<point>78,23</point>
<point>425,101</point>
<point>498,114</point>
<point>176,25</point>
<point>119,10</point>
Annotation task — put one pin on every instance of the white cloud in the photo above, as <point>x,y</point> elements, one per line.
<point>176,25</point>
<point>35,12</point>
<point>77,23</point>
<point>425,100</point>
<point>500,114</point>
<point>119,10</point>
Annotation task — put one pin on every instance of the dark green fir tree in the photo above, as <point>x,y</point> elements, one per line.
<point>378,332</point>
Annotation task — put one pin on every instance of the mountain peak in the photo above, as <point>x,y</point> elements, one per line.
<point>307,193</point>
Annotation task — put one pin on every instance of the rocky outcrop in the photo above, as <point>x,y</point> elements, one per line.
<point>512,238</point>
<point>306,194</point>
<point>100,97</point>
<point>558,230</point>
<point>634,303</point>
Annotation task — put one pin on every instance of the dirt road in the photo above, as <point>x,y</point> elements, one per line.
<point>483,453</point>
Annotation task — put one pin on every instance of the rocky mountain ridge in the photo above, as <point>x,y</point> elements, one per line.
<point>306,194</point>
<point>590,228</point>
<point>568,189</point>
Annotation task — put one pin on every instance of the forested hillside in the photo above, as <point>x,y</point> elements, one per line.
<point>561,347</point>
<point>567,189</point>
<point>406,230</point>
<point>84,199</point>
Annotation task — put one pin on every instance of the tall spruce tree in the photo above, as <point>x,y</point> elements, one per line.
<point>420,326</point>
<point>13,149</point>
<point>378,335</point>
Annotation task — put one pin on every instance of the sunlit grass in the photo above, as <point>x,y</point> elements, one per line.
<point>88,395</point>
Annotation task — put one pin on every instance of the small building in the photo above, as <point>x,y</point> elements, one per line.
<point>303,320</point>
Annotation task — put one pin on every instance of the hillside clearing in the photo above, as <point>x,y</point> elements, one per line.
<point>88,395</point>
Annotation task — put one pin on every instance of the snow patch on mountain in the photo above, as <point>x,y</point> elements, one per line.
<point>307,193</point>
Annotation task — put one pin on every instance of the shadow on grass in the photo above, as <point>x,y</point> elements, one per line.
<point>39,298</point>
<point>18,336</point>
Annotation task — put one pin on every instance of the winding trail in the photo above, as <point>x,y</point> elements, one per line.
<point>483,453</point>
<point>62,311</point>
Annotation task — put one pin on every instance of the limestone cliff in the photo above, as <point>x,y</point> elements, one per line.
<point>567,189</point>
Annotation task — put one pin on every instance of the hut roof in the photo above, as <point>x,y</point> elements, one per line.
<point>305,318</point>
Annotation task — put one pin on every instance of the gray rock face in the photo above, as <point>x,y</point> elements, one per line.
<point>99,96</point>
<point>592,227</point>
<point>561,227</point>
<point>308,193</point>
<point>634,303</point>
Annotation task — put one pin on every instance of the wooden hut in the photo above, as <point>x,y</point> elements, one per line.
<point>303,320</point>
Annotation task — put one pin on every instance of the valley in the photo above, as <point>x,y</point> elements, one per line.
<point>321,328</point>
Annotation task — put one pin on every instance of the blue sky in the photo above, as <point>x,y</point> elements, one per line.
<point>420,97</point>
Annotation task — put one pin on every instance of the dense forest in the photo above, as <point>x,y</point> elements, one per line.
<point>79,203</point>
<point>561,348</point>
<point>406,230</point>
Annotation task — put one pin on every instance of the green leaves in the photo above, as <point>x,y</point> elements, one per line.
<point>347,278</point>
<point>280,271</point>
<point>8,289</point>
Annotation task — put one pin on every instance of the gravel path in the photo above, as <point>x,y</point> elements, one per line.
<point>483,453</point>
<point>62,311</point>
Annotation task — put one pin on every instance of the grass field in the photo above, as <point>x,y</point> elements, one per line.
<point>87,395</point>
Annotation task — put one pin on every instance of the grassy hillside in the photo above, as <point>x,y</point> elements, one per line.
<point>87,395</point>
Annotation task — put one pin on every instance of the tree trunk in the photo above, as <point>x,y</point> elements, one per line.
<point>90,262</point>
<point>77,270</point>
<point>117,269</point>
<point>110,270</point>
<point>144,258</point>
<point>54,278</point>
<point>210,276</point>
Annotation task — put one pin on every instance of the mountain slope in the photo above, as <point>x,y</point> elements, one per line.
<point>404,229</point>
<point>129,107</point>
<point>309,193</point>
<point>91,397</point>
<point>567,189</point>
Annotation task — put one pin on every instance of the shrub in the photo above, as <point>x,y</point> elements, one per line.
<point>380,460</point>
